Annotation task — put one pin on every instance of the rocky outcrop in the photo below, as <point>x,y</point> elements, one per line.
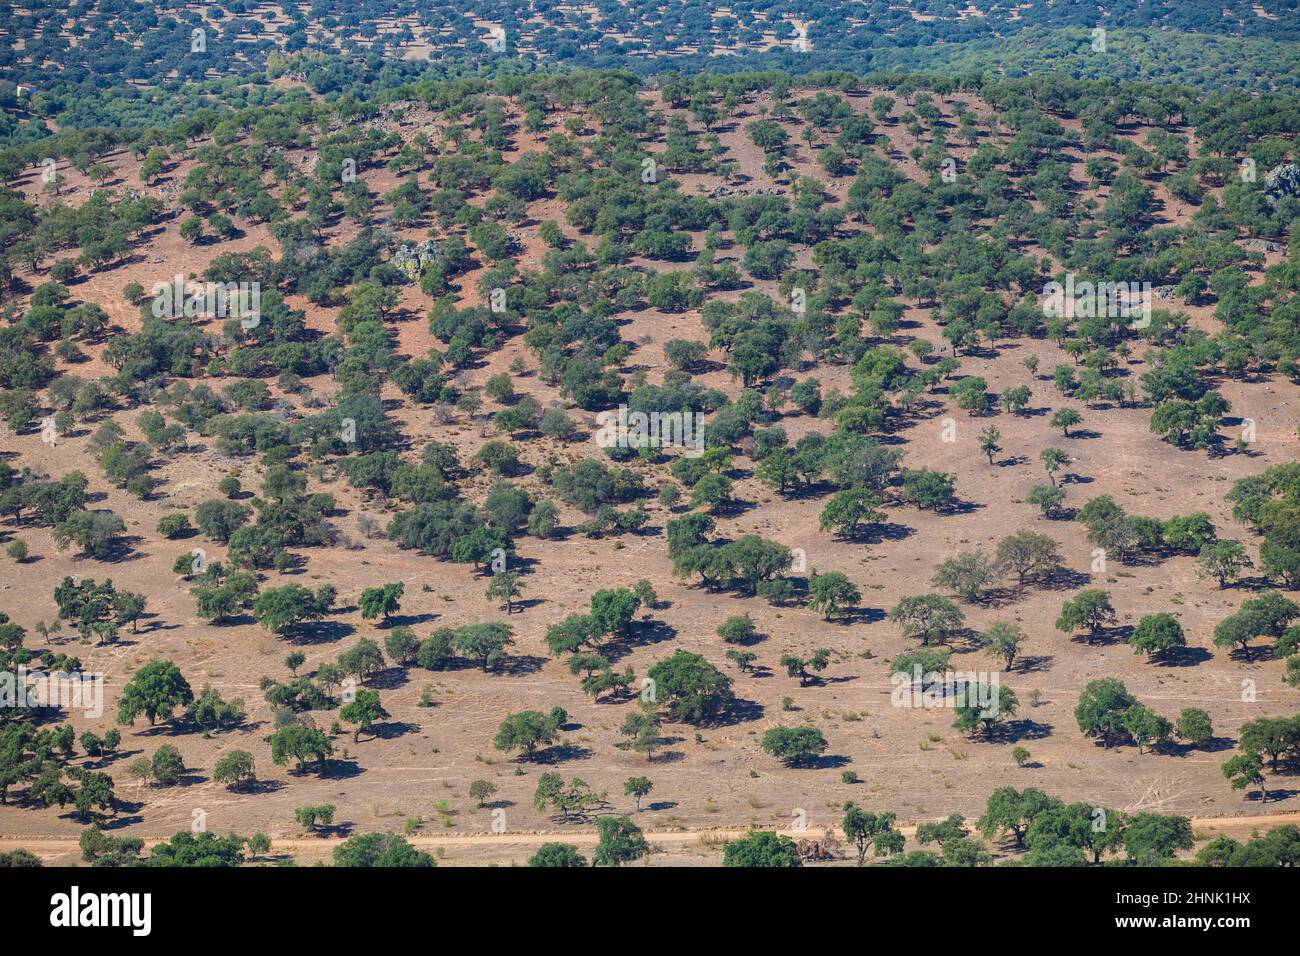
<point>1261,245</point>
<point>414,261</point>
<point>718,192</point>
<point>1281,181</point>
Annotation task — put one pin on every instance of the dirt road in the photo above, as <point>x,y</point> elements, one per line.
<point>53,847</point>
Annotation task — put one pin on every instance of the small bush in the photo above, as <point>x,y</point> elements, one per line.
<point>174,526</point>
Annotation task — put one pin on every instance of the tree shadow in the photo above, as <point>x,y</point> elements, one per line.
<point>666,756</point>
<point>336,768</point>
<point>410,620</point>
<point>390,678</point>
<point>1023,729</point>
<point>175,727</point>
<point>1032,665</point>
<point>1063,579</point>
<point>391,730</point>
<point>255,787</point>
<point>1274,796</point>
<point>1211,745</point>
<point>1254,655</point>
<point>117,756</point>
<point>842,679</point>
<point>738,712</point>
<point>1104,636</point>
<point>1253,583</point>
<point>652,632</point>
<point>561,753</point>
<point>818,762</point>
<point>188,778</point>
<point>320,632</point>
<point>998,597</point>
<point>517,664</point>
<point>879,533</point>
<point>1217,744</point>
<point>341,829</point>
<point>860,615</point>
<point>1182,657</point>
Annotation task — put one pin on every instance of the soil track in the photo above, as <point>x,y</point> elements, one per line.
<point>481,847</point>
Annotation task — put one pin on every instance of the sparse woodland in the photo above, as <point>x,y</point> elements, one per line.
<point>362,566</point>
